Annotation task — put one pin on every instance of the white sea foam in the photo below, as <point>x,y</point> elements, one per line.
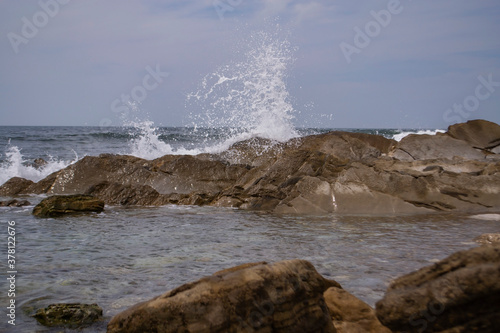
<point>149,146</point>
<point>403,134</point>
<point>486,217</point>
<point>16,166</point>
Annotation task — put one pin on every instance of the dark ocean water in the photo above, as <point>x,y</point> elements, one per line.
<point>127,255</point>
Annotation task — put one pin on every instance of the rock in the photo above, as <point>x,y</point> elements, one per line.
<point>14,203</point>
<point>313,196</point>
<point>14,186</point>
<point>127,195</point>
<point>59,205</point>
<point>253,152</point>
<point>480,134</point>
<point>69,315</point>
<point>282,297</point>
<point>388,186</point>
<point>427,147</point>
<point>458,294</point>
<point>350,314</point>
<point>348,146</point>
<point>187,174</point>
<point>488,239</point>
<point>318,174</point>
<point>39,163</point>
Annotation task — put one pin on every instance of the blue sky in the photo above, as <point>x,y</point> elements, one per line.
<point>384,64</point>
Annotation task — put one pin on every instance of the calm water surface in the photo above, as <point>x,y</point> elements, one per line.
<point>127,255</point>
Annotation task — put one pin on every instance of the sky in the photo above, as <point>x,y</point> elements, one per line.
<point>357,64</point>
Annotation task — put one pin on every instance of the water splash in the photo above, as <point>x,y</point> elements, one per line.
<point>400,136</point>
<point>245,99</point>
<point>148,145</point>
<point>249,98</point>
<point>16,166</point>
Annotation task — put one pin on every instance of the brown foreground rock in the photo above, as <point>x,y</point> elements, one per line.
<point>318,174</point>
<point>458,294</point>
<point>282,297</point>
<point>59,205</point>
<point>350,314</point>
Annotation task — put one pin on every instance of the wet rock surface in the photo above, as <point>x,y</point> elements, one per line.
<point>71,315</point>
<point>318,174</point>
<point>59,205</point>
<point>458,294</point>
<point>15,186</point>
<point>14,203</point>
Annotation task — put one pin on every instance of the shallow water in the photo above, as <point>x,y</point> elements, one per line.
<point>127,255</point>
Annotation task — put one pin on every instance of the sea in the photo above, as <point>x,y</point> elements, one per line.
<point>126,255</point>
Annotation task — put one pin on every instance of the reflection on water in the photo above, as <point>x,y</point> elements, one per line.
<point>124,256</point>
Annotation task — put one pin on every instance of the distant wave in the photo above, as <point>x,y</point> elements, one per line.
<point>15,165</point>
<point>400,136</point>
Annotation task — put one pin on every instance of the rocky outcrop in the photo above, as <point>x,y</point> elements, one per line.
<point>440,146</point>
<point>318,174</point>
<point>282,297</point>
<point>488,239</point>
<point>478,133</point>
<point>14,203</point>
<point>59,205</point>
<point>70,315</point>
<point>351,315</point>
<point>458,294</point>
<point>14,186</point>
